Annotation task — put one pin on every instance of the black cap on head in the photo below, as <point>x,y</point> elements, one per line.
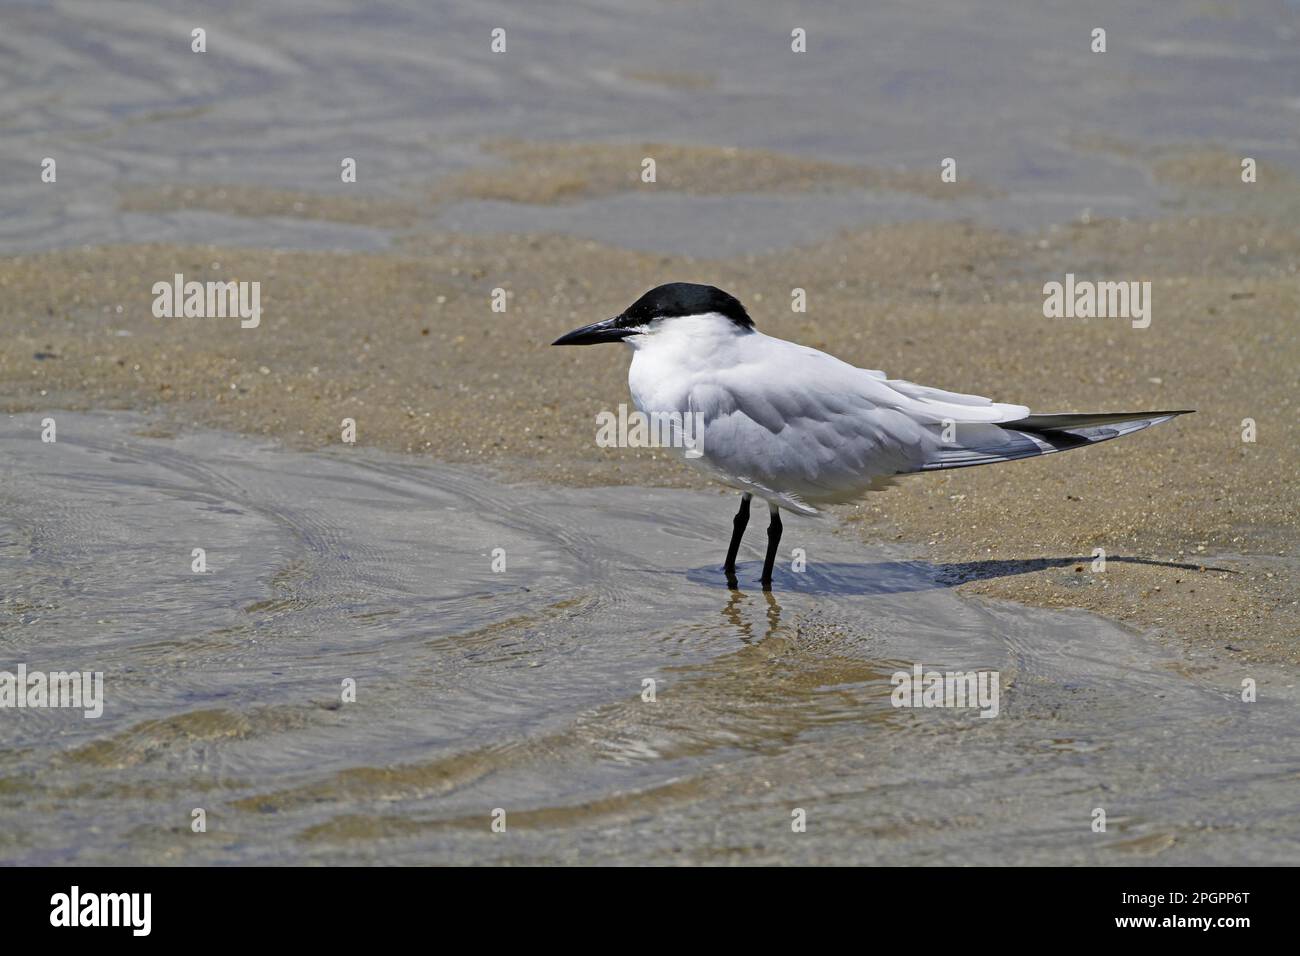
<point>686,298</point>
<point>662,302</point>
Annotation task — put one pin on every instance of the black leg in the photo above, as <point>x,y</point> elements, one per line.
<point>773,541</point>
<point>737,532</point>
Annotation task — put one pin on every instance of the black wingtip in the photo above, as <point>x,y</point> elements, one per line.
<point>1068,420</point>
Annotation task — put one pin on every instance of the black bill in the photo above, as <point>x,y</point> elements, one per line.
<point>606,331</point>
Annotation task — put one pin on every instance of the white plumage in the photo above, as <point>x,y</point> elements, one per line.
<point>793,425</point>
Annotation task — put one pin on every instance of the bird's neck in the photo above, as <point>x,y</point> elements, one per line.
<point>670,362</point>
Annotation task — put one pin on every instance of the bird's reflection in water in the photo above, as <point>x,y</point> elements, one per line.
<point>778,679</point>
<point>733,612</point>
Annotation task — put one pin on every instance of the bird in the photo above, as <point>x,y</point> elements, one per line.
<point>801,429</point>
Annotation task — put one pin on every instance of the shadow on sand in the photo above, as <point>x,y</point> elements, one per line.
<point>897,577</point>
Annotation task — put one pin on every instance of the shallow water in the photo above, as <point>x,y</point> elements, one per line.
<point>522,690</point>
<point>409,89</point>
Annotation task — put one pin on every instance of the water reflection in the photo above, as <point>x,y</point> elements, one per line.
<point>732,613</point>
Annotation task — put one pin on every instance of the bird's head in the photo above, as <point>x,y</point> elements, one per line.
<point>657,310</point>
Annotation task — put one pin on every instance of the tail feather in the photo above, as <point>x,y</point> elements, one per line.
<point>1040,435</point>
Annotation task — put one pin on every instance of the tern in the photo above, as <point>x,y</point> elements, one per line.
<point>800,428</point>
